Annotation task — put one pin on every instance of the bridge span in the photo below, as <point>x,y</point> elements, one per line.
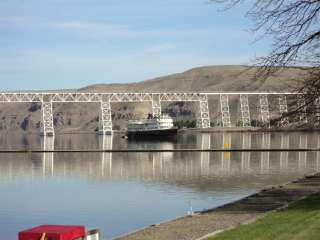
<point>106,99</point>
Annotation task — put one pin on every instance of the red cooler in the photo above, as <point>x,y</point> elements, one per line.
<point>54,232</point>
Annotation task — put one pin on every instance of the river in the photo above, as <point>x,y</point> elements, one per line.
<point>121,192</point>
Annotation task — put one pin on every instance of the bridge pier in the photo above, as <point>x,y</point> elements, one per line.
<point>105,118</point>
<point>156,105</point>
<point>47,128</point>
<point>283,108</point>
<point>203,121</point>
<point>317,111</point>
<point>264,110</point>
<point>225,111</point>
<point>303,109</point>
<point>245,110</point>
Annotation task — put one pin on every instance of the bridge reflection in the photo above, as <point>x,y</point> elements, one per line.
<point>172,166</point>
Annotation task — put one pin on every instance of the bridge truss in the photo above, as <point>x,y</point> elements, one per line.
<point>47,99</point>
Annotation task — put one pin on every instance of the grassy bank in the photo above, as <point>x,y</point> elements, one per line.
<point>299,221</point>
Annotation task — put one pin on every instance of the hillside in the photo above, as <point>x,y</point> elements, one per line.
<point>84,117</point>
<point>209,78</point>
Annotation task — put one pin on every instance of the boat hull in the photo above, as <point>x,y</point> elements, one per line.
<point>159,134</point>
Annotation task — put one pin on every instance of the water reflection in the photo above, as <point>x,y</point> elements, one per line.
<point>284,155</point>
<point>167,165</point>
<point>245,156</point>
<point>112,190</point>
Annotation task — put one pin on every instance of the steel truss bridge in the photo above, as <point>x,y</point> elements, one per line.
<point>105,99</point>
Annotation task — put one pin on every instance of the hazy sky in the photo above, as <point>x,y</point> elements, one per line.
<point>52,44</point>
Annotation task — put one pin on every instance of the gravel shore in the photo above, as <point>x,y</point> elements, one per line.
<point>230,215</point>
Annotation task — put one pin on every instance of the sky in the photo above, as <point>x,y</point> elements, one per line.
<point>61,44</point>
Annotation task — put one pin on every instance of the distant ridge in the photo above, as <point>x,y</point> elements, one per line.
<point>210,78</point>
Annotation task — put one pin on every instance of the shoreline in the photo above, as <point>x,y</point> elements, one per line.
<point>182,130</point>
<point>209,222</point>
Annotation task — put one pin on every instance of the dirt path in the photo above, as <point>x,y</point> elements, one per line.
<point>229,215</point>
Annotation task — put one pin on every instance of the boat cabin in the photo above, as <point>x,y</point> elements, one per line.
<point>59,232</point>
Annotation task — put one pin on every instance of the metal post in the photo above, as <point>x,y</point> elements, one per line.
<point>264,110</point>
<point>105,118</point>
<point>245,110</point>
<point>156,105</point>
<point>283,108</point>
<point>47,128</point>
<point>225,111</point>
<point>302,109</point>
<point>203,121</point>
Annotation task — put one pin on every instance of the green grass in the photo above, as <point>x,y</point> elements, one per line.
<point>300,221</point>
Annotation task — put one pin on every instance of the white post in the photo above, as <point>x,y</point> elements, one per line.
<point>245,110</point>
<point>225,111</point>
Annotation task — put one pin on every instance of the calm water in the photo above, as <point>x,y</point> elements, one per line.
<point>120,192</point>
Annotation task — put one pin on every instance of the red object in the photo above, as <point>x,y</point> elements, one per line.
<point>53,232</point>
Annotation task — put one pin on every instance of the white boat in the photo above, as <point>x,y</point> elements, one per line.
<point>152,128</point>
